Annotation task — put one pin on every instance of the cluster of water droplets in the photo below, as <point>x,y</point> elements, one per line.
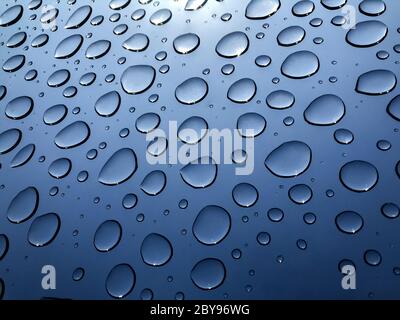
<point>81,85</point>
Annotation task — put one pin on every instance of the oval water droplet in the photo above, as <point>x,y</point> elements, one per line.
<point>79,17</point>
<point>107,236</point>
<point>136,43</point>
<point>23,205</point>
<point>154,183</point>
<point>191,91</point>
<point>245,195</point>
<point>367,33</point>
<point>200,173</point>
<point>251,125</point>
<point>11,16</point>
<point>192,130</point>
<point>120,281</point>
<point>147,122</point>
<point>300,64</point>
<point>291,36</point>
<point>14,63</point>
<point>393,108</point>
<point>161,17</point>
<point>289,160</point>
<point>23,156</point>
<point>60,168</point>
<point>186,43</point>
<point>118,168</point>
<point>4,243</point>
<point>19,108</point>
<point>68,47</point>
<point>232,45</point>
<point>325,110</point>
<point>376,82</point>
<point>261,9</point>
<point>280,99</point>
<point>108,104</point>
<point>9,139</point>
<point>72,135</point>
<point>55,114</point>
<point>44,229</point>
<point>137,79</point>
<point>211,225</point>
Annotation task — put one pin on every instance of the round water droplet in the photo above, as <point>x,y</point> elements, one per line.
<point>291,36</point>
<point>344,136</point>
<point>60,168</point>
<point>359,176</point>
<point>156,250</point>
<point>108,104</point>
<point>251,125</point>
<point>372,258</point>
<point>245,195</point>
<point>200,173</point>
<point>208,274</point>
<point>78,274</point>
<point>192,130</point>
<point>349,222</point>
<point>303,8</point>
<point>147,122</point>
<point>390,210</point>
<point>300,193</point>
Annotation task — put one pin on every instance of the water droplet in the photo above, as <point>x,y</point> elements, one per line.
<point>376,82</point>
<point>107,236</point>
<point>137,79</point>
<point>349,222</point>
<point>208,274</point>
<point>136,43</point>
<point>23,205</point>
<point>300,193</point>
<point>261,9</point>
<point>191,91</point>
<point>232,45</point>
<point>44,229</point>
<point>300,64</point>
<point>19,108</point>
<point>120,281</point>
<point>200,173</point>
<point>245,195</point>
<point>154,183</point>
<point>242,91</point>
<point>367,33</point>
<point>359,176</point>
<point>156,250</point>
<point>186,43</point>
<point>325,110</point>
<point>9,139</point>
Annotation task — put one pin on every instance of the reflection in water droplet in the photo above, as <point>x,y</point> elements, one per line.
<point>98,49</point>
<point>136,43</point>
<point>44,229</point>
<point>280,99</point>
<point>55,114</point>
<point>147,122</point>
<point>11,16</point>
<point>161,17</point>
<point>208,274</point>
<point>79,17</point>
<point>212,225</point>
<point>359,176</point>
<point>156,250</point>
<point>390,210</point>
<point>349,222</point>
<point>289,159</point>
<point>107,236</point>
<point>120,281</point>
<point>67,47</point>
<point>344,136</point>
<point>291,36</point>
<point>23,205</point>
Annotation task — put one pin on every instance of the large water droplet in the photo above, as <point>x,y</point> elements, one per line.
<point>261,9</point>
<point>232,45</point>
<point>359,176</point>
<point>349,222</point>
<point>242,91</point>
<point>23,205</point>
<point>118,168</point>
<point>120,281</point>
<point>19,108</point>
<point>11,16</point>
<point>251,125</point>
<point>154,183</point>
<point>325,110</point>
<point>376,82</point>
<point>291,36</point>
<point>72,135</point>
<point>108,104</point>
<point>200,173</point>
<point>156,250</point>
<point>289,159</point>
<point>367,33</point>
<point>208,274</point>
<point>107,236</point>
<point>68,47</point>
<point>191,91</point>
<point>79,17</point>
<point>136,43</point>
<point>186,43</point>
<point>137,79</point>
<point>300,64</point>
<point>9,139</point>
<point>44,229</point>
<point>212,225</point>
<point>23,156</point>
